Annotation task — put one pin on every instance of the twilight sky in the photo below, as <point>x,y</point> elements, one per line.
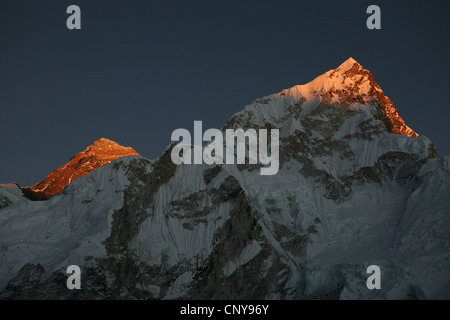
<point>140,69</point>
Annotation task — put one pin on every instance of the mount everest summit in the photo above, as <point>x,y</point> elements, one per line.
<point>356,187</point>
<point>101,152</point>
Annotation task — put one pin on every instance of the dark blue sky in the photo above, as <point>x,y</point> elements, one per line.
<point>140,69</point>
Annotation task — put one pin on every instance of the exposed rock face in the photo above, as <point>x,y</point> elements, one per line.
<point>356,187</point>
<point>4,202</point>
<point>9,193</point>
<point>101,152</point>
<point>351,93</point>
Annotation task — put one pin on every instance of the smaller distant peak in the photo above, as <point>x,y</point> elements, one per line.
<point>103,145</point>
<point>104,141</point>
<point>98,154</point>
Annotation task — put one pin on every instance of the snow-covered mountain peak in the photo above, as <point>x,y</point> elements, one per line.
<point>103,146</point>
<point>349,87</point>
<point>348,84</point>
<point>99,153</point>
<point>347,64</point>
<point>104,141</point>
